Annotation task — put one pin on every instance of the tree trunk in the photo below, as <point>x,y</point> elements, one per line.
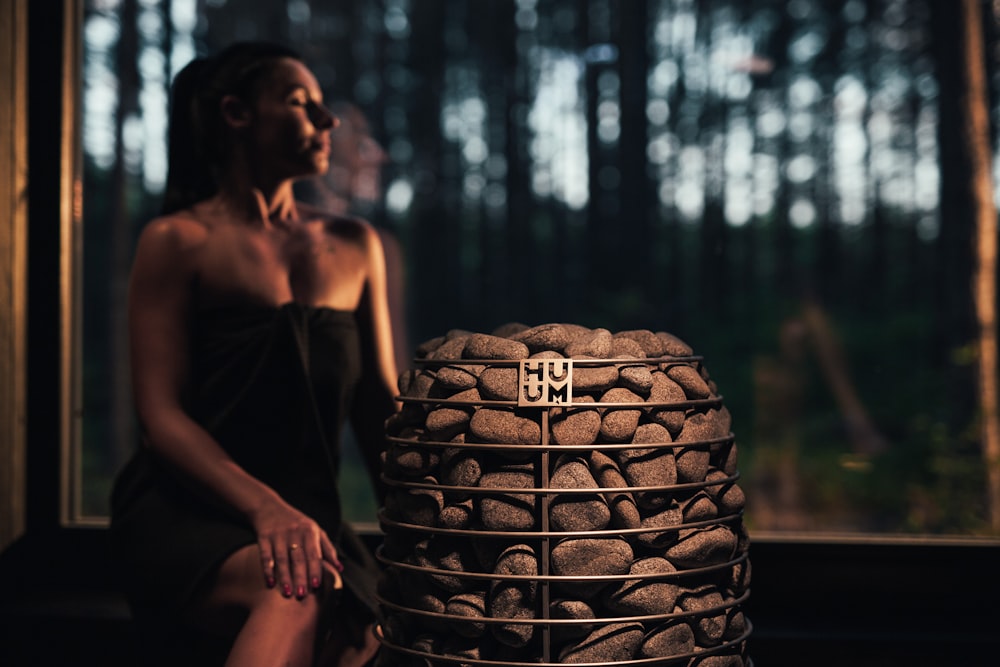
<point>976,125</point>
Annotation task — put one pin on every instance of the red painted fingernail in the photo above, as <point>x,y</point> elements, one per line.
<point>315,582</point>
<point>270,582</point>
<point>287,590</point>
<point>302,591</point>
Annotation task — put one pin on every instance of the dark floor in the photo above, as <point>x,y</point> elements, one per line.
<point>813,603</point>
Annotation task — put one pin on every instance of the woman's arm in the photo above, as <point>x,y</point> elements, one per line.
<point>160,307</point>
<point>375,400</point>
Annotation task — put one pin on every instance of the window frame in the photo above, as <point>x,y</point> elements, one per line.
<point>13,250</point>
<point>39,262</point>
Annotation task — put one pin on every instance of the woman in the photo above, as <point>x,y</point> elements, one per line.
<point>257,326</point>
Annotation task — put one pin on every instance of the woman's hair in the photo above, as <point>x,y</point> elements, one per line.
<point>197,138</point>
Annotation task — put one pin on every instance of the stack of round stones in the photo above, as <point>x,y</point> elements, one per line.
<point>562,495</point>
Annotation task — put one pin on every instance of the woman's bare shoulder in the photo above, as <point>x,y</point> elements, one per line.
<point>175,232</point>
<point>347,227</point>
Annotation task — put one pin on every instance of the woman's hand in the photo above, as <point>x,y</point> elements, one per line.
<point>294,550</point>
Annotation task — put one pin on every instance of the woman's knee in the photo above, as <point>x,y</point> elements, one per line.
<point>239,580</point>
<point>239,588</point>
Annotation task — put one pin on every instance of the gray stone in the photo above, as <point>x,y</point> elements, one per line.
<point>460,467</point>
<point>485,346</point>
<point>719,660</point>
<point>663,526</point>
<point>593,378</point>
<point>626,348</point>
<point>652,434</point>
<point>674,346</point>
<point>576,610</point>
<point>508,511</point>
<point>517,559</point>
<point>575,426</point>
<point>504,426</point>
<point>577,512</point>
<point>649,342</point>
<point>722,454</point>
<point>742,537</point>
<point>739,577</point>
<point>736,624</point>
<point>729,467</point>
<point>650,466</point>
<point>670,639</point>
<point>421,383</point>
<point>614,642</point>
<point>711,424</point>
<point>594,344</point>
<point>544,337</point>
<point>576,557</point>
<point>449,350</point>
<point>702,547</point>
<point>636,378</point>
<point>576,330</point>
<point>709,618</point>
<point>467,608</point>
<point>624,513</point>
<point>448,420</point>
<point>647,594</point>
<point>547,354</point>
<point>666,392</point>
<point>458,378</point>
<point>499,383</point>
<point>690,380</point>
<point>417,506</point>
<point>619,424</point>
<point>409,461</point>
<point>692,464</point>
<point>457,515</point>
<point>443,555</point>
<point>699,507</point>
<point>729,497</point>
<point>513,598</point>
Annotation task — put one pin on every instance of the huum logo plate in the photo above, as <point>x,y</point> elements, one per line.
<point>545,382</point>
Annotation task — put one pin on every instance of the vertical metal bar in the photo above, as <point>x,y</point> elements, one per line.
<point>546,545</point>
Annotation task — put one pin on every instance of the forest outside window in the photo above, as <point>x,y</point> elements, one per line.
<point>782,184</point>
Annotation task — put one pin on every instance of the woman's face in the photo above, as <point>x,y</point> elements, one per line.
<point>290,127</point>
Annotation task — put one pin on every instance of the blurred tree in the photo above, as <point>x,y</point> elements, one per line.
<point>984,292</point>
<point>683,165</point>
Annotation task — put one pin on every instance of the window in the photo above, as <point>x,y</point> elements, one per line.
<point>775,182</point>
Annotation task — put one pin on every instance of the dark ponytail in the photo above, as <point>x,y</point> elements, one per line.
<point>198,142</point>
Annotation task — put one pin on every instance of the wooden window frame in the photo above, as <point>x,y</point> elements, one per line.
<point>13,251</point>
<point>40,236</point>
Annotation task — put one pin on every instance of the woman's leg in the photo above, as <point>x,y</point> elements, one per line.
<point>270,629</point>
